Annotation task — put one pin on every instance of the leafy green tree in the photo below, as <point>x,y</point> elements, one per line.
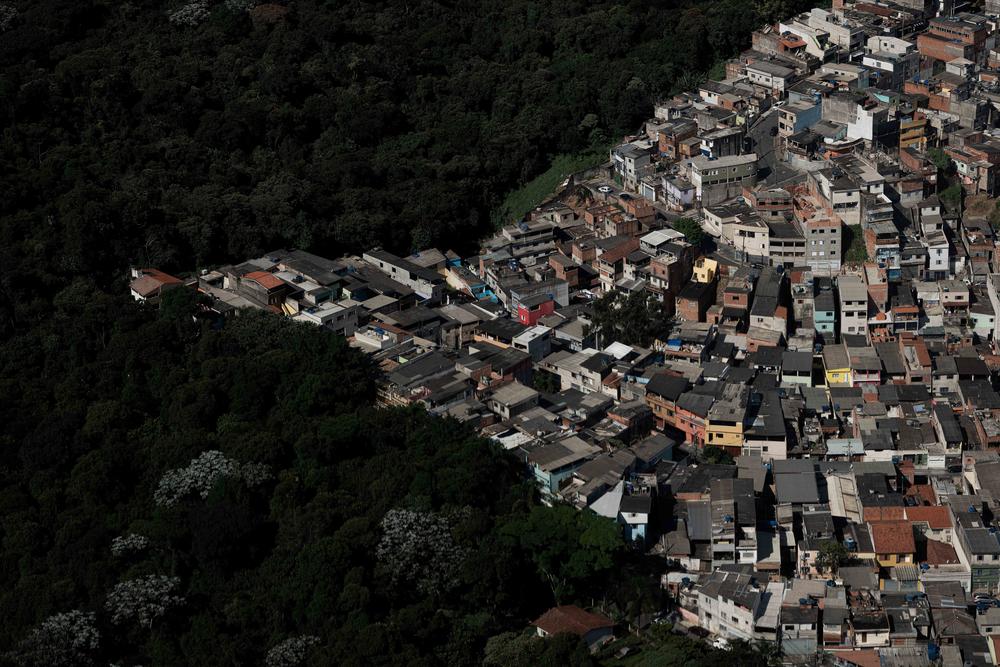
<point>714,454</point>
<point>636,318</point>
<point>569,548</point>
<point>939,158</point>
<point>545,382</point>
<point>526,649</point>
<point>691,230</point>
<point>952,197</point>
<point>832,555</point>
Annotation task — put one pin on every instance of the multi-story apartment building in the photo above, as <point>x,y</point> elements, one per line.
<point>853,305</point>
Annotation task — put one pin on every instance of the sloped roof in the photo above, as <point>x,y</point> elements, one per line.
<point>937,518</point>
<point>266,280</point>
<point>667,386</point>
<point>893,537</point>
<point>888,513</point>
<point>940,553</point>
<point>571,619</point>
<point>151,281</point>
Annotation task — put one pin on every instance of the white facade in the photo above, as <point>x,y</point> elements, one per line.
<point>853,305</point>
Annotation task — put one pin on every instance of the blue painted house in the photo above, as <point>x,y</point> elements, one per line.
<point>555,462</point>
<point>634,513</point>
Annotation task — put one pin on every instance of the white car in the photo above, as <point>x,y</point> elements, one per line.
<point>604,189</point>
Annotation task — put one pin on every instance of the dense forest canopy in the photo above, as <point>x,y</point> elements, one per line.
<point>113,428</point>
<point>173,492</point>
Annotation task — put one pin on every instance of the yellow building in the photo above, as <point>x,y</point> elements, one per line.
<point>913,132</point>
<point>724,426</point>
<point>837,363</point>
<point>893,541</point>
<point>705,270</point>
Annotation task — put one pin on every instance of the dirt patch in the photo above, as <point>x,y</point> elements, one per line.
<point>979,205</point>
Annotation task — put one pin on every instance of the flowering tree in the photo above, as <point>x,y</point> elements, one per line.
<point>125,545</point>
<point>143,600</point>
<point>201,475</point>
<point>255,474</point>
<point>190,14</point>
<point>66,639</point>
<point>418,547</point>
<point>290,652</point>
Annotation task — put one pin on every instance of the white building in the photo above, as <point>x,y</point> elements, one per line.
<point>729,605</point>
<point>853,305</point>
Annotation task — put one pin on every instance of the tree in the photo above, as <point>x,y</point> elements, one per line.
<point>292,652</point>
<point>751,654</point>
<point>143,600</point>
<point>952,197</point>
<point>569,548</point>
<point>939,158</point>
<point>714,454</point>
<point>418,548</point>
<point>526,649</point>
<point>832,555</point>
<point>691,230</point>
<point>635,318</point>
<point>64,640</point>
<point>545,382</point>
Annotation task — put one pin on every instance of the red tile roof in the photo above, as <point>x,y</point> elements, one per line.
<point>941,553</point>
<point>619,252</point>
<point>152,281</point>
<point>264,279</point>
<point>869,658</point>
<point>892,513</point>
<point>572,619</point>
<point>924,492</point>
<point>893,537</point>
<point>937,518</point>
